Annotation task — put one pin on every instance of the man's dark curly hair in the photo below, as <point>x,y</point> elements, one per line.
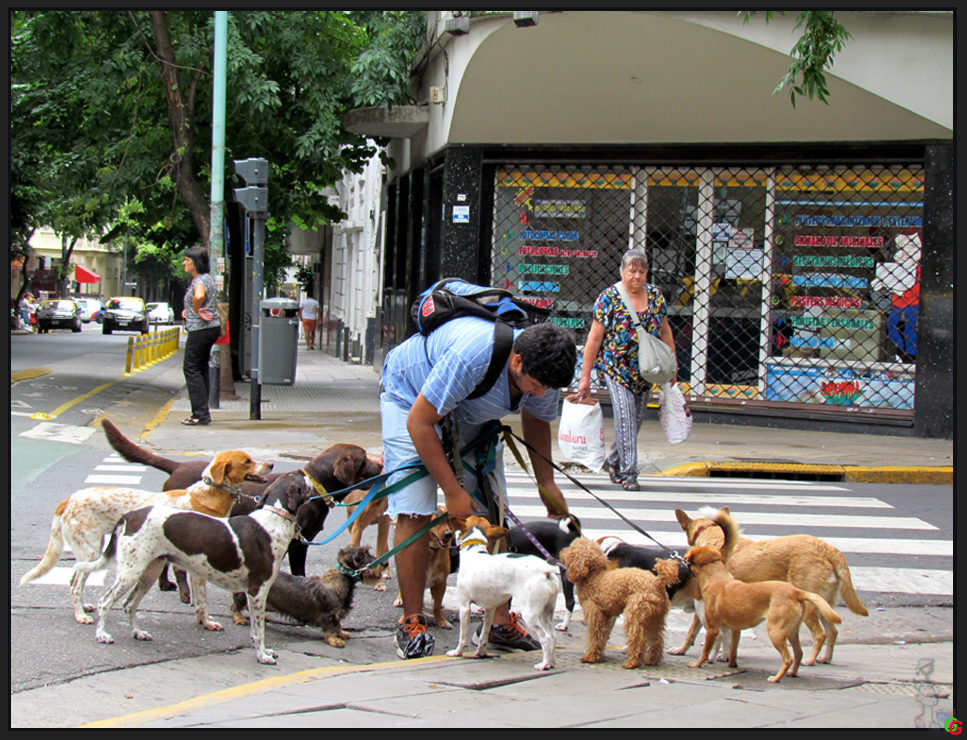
<point>548,353</point>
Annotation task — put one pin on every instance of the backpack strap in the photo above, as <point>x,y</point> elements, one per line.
<point>503,342</point>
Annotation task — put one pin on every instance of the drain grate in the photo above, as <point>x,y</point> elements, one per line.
<point>941,691</point>
<point>568,658</point>
<point>778,471</point>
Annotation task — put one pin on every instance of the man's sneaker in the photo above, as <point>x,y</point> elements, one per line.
<point>512,636</point>
<point>412,640</point>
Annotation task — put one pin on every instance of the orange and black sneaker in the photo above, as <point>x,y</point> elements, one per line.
<point>512,636</point>
<point>412,639</point>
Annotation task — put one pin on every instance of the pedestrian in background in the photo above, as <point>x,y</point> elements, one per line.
<point>204,329</point>
<point>309,313</point>
<point>614,337</point>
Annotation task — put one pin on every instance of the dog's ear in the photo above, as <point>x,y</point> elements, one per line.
<point>683,519</point>
<point>219,469</point>
<point>495,533</point>
<point>459,524</point>
<point>573,557</point>
<point>344,470</point>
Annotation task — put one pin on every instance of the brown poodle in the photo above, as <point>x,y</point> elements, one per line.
<point>606,593</point>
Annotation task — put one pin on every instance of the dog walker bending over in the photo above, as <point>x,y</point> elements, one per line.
<point>736,605</point>
<point>242,553</point>
<point>84,518</point>
<point>321,601</point>
<point>490,580</point>
<point>807,562</point>
<point>605,594</point>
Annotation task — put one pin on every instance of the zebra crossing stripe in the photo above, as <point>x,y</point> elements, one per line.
<point>113,479</point>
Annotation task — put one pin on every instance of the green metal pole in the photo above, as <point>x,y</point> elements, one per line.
<point>217,229</point>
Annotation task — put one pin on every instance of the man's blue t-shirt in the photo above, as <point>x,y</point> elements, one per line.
<point>459,355</point>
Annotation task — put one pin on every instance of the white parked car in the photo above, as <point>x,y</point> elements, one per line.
<point>161,313</point>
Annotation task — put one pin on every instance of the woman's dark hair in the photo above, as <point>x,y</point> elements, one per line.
<point>199,255</point>
<point>548,354</point>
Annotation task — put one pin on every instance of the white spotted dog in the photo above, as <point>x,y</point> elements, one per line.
<point>490,580</point>
<point>242,553</point>
<point>84,518</point>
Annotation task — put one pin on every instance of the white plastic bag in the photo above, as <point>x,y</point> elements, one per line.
<point>676,419</point>
<point>580,435</point>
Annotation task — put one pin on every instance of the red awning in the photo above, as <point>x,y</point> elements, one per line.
<point>84,275</point>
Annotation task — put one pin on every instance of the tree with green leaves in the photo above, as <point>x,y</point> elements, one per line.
<point>116,106</point>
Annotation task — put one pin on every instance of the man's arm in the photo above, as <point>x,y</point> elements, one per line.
<point>420,423</point>
<point>537,434</point>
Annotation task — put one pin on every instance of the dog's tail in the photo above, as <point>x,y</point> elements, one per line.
<point>106,557</point>
<point>824,608</point>
<point>841,568</point>
<point>132,452</point>
<point>730,530</point>
<point>667,572</point>
<point>54,548</point>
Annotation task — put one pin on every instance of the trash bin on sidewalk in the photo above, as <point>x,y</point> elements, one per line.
<point>278,341</point>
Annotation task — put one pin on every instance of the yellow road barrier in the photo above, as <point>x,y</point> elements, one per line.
<point>147,350</point>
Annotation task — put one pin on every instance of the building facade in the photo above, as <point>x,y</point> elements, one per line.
<point>805,253</point>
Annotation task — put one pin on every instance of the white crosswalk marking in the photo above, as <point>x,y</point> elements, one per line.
<point>116,464</point>
<point>801,507</point>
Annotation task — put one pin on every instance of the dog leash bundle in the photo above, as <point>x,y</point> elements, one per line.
<point>483,470</point>
<point>509,436</point>
<point>357,574</point>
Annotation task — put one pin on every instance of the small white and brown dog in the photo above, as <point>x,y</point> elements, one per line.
<point>490,580</point>
<point>242,553</point>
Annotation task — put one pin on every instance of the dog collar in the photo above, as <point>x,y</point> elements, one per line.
<point>282,513</point>
<point>222,487</point>
<point>699,530</point>
<point>321,490</point>
<point>470,543</point>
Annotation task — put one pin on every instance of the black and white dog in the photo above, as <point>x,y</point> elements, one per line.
<point>242,553</point>
<point>626,555</point>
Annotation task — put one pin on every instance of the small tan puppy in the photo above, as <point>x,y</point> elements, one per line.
<point>805,561</point>
<point>736,605</point>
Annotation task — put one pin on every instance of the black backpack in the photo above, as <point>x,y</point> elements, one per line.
<point>452,298</point>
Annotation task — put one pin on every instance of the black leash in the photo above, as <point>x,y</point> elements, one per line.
<point>509,433</point>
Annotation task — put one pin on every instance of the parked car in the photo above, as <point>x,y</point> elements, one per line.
<point>91,309</point>
<point>126,313</point>
<point>58,313</point>
<point>161,313</point>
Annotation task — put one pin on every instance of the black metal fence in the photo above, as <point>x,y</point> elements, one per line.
<point>785,285</point>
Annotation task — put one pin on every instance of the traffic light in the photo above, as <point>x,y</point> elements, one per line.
<point>255,172</point>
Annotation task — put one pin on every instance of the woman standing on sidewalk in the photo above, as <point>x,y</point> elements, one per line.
<point>614,336</point>
<point>204,329</point>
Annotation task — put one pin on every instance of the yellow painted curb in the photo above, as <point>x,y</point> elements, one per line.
<point>239,692</point>
<point>937,476</point>
<point>34,372</point>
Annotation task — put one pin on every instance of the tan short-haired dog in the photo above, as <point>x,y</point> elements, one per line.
<point>805,561</point>
<point>736,605</point>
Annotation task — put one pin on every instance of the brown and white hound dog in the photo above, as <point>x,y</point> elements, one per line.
<point>86,516</point>
<point>242,553</point>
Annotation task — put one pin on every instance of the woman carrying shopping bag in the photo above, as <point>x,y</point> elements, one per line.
<point>613,344</point>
